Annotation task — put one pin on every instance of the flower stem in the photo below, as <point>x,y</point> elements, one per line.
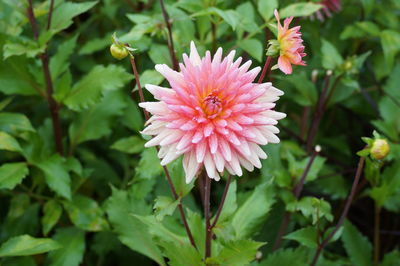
<point>266,69</point>
<point>344,213</point>
<point>214,36</point>
<point>171,49</point>
<point>207,190</point>
<point>167,174</point>
<point>53,105</point>
<point>221,204</point>
<point>377,234</point>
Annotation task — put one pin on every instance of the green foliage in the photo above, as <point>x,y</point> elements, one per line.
<point>357,246</point>
<point>25,245</point>
<point>105,200</point>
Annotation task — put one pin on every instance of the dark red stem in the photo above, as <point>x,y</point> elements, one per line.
<point>344,213</point>
<point>266,69</point>
<point>221,204</point>
<point>171,49</point>
<point>53,105</point>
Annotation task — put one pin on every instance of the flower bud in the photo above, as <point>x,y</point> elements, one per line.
<point>119,52</point>
<point>273,48</point>
<point>380,149</point>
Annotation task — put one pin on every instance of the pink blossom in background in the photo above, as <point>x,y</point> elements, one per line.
<point>213,115</point>
<point>328,6</point>
<point>291,45</point>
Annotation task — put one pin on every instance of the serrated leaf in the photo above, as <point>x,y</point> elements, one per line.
<point>90,88</point>
<point>26,245</point>
<point>253,47</point>
<point>73,247</point>
<point>22,47</point>
<point>130,230</point>
<point>15,123</point>
<point>65,12</point>
<point>287,257</point>
<point>131,145</point>
<point>8,143</point>
<point>229,16</point>
<point>390,40</point>
<point>57,177</point>
<point>330,55</point>
<point>266,8</point>
<point>12,174</point>
<point>86,214</point>
<point>305,236</point>
<point>299,10</point>
<point>357,246</point>
<point>182,254</point>
<point>237,253</point>
<point>149,164</point>
<point>96,122</point>
<point>252,213</point>
<point>59,63</point>
<point>164,206</point>
<point>52,211</point>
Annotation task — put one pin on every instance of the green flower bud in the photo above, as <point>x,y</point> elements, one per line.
<point>380,149</point>
<point>273,48</point>
<point>119,52</point>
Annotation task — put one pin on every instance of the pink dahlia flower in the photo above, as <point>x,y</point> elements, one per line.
<point>213,114</point>
<point>291,45</point>
<point>328,6</point>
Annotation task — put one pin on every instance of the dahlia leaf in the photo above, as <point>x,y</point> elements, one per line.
<point>331,58</point>
<point>357,246</point>
<point>305,236</point>
<point>26,245</point>
<point>73,247</point>
<point>12,174</point>
<point>299,10</point>
<point>266,8</point>
<point>52,211</point>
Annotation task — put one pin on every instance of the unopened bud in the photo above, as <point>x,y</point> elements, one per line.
<point>314,75</point>
<point>259,255</point>
<point>318,148</point>
<point>119,52</point>
<point>273,48</point>
<point>380,149</point>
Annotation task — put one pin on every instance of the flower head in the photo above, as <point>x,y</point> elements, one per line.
<point>291,49</point>
<point>328,6</point>
<point>213,114</point>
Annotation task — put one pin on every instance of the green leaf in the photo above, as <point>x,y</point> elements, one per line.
<point>8,142</point>
<point>26,245</point>
<point>94,45</point>
<point>392,84</point>
<point>266,8</point>
<point>330,56</point>
<point>159,54</point>
<point>230,204</point>
<point>306,92</point>
<point>130,230</point>
<point>150,77</point>
<point>87,125</point>
<point>73,248</point>
<point>253,47</point>
<point>86,214</point>
<point>14,123</point>
<point>229,16</point>
<point>149,164</point>
<point>52,211</point>
<point>56,175</point>
<point>23,47</point>
<point>131,145</point>
<point>65,12</point>
<point>287,257</point>
<point>12,174</point>
<point>59,63</point>
<point>305,236</point>
<point>312,207</point>
<point>132,117</point>
<point>15,77</point>
<point>360,29</point>
<point>391,259</point>
<point>88,91</point>
<point>164,206</point>
<point>390,41</point>
<point>252,213</point>
<point>357,246</point>
<point>299,10</point>
<point>182,254</point>
<point>237,253</point>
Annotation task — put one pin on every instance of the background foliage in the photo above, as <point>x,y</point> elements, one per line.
<point>106,201</point>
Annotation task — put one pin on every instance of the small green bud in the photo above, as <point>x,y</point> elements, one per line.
<point>118,52</point>
<point>273,48</point>
<point>380,149</point>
